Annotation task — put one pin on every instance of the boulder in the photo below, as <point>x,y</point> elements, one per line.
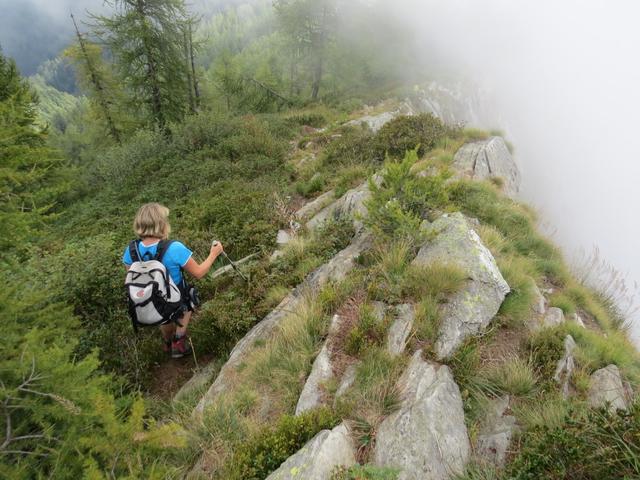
<point>471,309</point>
<point>607,389</point>
<point>496,433</point>
<point>283,238</point>
<point>335,270</point>
<point>400,329</point>
<point>553,317</point>
<point>426,439</point>
<point>350,205</point>
<point>488,159</point>
<point>565,366</point>
<point>319,457</point>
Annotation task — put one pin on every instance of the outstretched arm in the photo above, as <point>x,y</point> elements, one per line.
<point>199,270</point>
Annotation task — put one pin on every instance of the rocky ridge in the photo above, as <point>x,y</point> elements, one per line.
<point>426,437</point>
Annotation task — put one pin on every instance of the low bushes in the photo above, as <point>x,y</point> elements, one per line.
<point>588,445</point>
<point>264,453</point>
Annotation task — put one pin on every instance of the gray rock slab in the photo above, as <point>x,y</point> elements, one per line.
<point>606,388</point>
<point>348,378</point>
<point>334,270</point>
<point>471,309</point>
<point>539,302</point>
<point>496,433</point>
<point>576,318</point>
<point>313,207</point>
<point>312,392</point>
<point>376,122</point>
<point>426,439</point>
<point>319,457</point>
<point>565,366</point>
<point>199,380</point>
<point>283,238</point>
<point>350,205</point>
<point>488,159</point>
<point>400,329</point>
<point>553,317</point>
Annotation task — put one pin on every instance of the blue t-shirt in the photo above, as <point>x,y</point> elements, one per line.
<point>176,257</point>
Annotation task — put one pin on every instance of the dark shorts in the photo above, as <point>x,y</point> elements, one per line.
<point>189,296</point>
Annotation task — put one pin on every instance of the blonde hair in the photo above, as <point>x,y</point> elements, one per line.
<point>152,220</point>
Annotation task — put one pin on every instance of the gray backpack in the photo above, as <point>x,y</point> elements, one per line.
<point>153,297</point>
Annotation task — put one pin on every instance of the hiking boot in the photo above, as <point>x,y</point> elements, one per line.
<point>166,346</point>
<point>180,347</point>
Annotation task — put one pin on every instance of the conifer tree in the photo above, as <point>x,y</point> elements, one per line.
<point>146,39</point>
<point>309,25</point>
<point>32,176</point>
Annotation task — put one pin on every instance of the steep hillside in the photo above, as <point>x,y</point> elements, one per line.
<point>445,338</point>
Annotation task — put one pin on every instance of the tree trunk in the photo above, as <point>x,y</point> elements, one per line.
<point>155,100</point>
<point>192,105</point>
<point>319,54</point>
<point>97,84</point>
<point>196,90</point>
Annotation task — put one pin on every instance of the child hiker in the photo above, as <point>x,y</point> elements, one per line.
<point>151,226</point>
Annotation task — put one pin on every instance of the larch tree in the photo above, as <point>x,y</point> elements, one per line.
<point>147,41</point>
<point>310,26</point>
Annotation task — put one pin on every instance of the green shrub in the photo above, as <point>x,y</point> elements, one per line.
<point>405,133</point>
<point>314,185</point>
<point>398,206</point>
<point>545,348</point>
<point>355,146</point>
<point>256,458</point>
<point>368,330</point>
<point>589,445</point>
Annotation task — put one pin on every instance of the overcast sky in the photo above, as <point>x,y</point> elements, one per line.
<point>563,79</point>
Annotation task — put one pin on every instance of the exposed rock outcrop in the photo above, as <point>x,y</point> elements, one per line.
<point>319,457</point>
<point>539,302</point>
<point>426,438</point>
<point>348,378</point>
<point>376,122</point>
<point>321,372</point>
<point>489,159</point>
<point>553,317</point>
<point>474,306</point>
<point>400,329</point>
<point>314,206</point>
<point>351,205</point>
<point>565,366</point>
<point>607,389</point>
<point>495,436</point>
<point>336,269</point>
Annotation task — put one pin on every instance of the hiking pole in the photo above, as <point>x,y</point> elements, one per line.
<point>233,265</point>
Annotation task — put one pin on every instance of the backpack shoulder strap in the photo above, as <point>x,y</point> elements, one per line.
<point>133,251</point>
<point>163,246</point>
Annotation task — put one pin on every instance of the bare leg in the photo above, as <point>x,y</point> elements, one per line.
<point>181,331</point>
<point>168,331</point>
